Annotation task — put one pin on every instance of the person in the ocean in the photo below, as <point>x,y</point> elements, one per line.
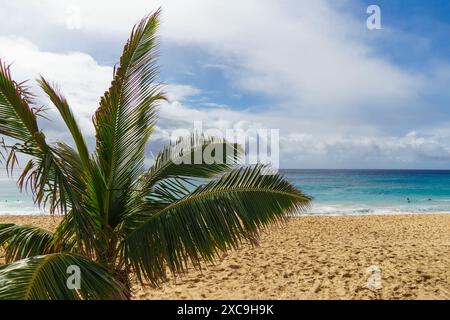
<point>407,199</point>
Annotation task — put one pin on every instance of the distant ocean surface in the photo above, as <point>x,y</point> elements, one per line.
<point>355,192</point>
<point>12,201</point>
<point>365,192</point>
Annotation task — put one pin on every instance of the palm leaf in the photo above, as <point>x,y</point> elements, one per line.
<point>17,119</point>
<point>178,159</point>
<point>126,117</point>
<point>175,172</point>
<point>215,217</point>
<point>44,174</point>
<point>45,277</point>
<point>57,179</point>
<point>25,241</point>
<point>63,107</point>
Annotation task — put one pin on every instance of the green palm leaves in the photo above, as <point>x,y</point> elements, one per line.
<point>45,277</point>
<point>215,217</point>
<point>119,218</point>
<point>126,117</point>
<point>25,241</point>
<point>18,119</point>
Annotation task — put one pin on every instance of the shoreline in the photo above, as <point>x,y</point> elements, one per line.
<point>320,257</point>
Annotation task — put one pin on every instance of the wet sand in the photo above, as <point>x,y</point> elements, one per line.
<point>322,257</point>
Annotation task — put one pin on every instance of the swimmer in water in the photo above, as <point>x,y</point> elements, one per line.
<point>407,199</point>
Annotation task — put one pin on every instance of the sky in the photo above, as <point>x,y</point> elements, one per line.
<point>342,96</point>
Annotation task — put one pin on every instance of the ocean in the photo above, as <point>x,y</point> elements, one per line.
<point>360,192</point>
<point>340,192</point>
<point>12,201</point>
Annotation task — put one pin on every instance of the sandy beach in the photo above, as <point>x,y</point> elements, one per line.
<point>321,257</point>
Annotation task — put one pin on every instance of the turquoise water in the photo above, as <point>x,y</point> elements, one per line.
<point>334,191</point>
<point>374,191</point>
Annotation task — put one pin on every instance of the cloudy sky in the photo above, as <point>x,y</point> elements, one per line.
<point>342,96</point>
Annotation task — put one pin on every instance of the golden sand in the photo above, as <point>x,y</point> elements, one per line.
<point>322,258</point>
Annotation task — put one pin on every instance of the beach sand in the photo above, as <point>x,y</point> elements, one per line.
<point>322,257</point>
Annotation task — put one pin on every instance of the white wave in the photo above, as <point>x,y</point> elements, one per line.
<point>347,209</point>
<point>19,207</point>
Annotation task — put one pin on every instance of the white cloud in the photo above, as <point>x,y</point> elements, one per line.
<point>180,92</point>
<point>302,149</point>
<point>305,51</point>
<point>337,101</point>
<point>81,79</point>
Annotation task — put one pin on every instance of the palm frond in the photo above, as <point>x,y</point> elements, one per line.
<point>54,177</point>
<point>178,170</point>
<point>127,115</point>
<point>179,159</point>
<point>213,218</point>
<point>45,277</point>
<point>18,120</point>
<point>57,180</point>
<point>22,242</point>
<point>44,173</point>
<point>62,105</point>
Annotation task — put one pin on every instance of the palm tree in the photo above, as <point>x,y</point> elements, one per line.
<point>119,219</point>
